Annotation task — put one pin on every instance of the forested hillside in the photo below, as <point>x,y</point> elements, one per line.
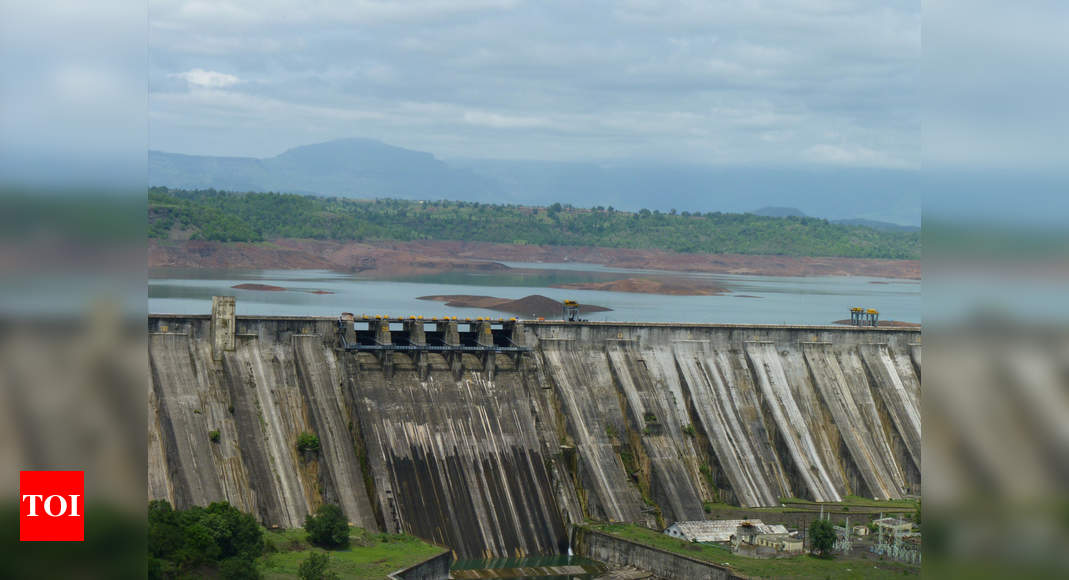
<point>255,217</point>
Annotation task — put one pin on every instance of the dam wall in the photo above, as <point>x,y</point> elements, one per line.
<point>492,437</point>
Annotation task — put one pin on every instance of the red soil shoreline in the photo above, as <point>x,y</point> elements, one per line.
<point>400,259</point>
<point>648,286</point>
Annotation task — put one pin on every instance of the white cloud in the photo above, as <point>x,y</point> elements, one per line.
<point>207,78</point>
<point>852,155</point>
<point>549,80</point>
<point>499,121</point>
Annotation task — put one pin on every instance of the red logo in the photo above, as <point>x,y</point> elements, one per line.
<point>51,506</point>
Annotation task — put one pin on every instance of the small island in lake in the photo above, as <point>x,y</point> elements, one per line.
<point>534,305</point>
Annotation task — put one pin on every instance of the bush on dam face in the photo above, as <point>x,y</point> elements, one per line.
<point>307,443</point>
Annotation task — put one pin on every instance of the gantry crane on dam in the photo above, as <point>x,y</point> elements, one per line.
<point>570,311</point>
<point>864,316</point>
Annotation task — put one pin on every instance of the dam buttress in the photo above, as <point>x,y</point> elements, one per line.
<point>490,437</point>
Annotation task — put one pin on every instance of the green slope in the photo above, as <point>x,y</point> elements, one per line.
<point>254,217</point>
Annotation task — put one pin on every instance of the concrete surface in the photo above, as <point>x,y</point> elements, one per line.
<point>608,421</point>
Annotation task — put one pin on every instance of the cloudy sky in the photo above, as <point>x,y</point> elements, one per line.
<point>795,83</point>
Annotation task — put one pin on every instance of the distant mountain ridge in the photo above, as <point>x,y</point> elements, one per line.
<point>365,168</point>
<point>345,168</point>
<point>778,211</point>
<point>877,225</point>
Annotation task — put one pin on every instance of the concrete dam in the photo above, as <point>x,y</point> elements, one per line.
<point>490,437</point>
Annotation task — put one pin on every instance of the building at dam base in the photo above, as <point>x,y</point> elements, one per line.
<point>496,439</point>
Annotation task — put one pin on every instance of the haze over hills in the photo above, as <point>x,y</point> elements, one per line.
<point>777,211</point>
<point>773,211</point>
<point>360,168</point>
<point>365,168</point>
<point>877,225</point>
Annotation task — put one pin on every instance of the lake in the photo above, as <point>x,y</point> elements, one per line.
<point>751,300</point>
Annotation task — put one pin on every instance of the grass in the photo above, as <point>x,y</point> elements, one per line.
<point>855,501</point>
<point>795,505</point>
<point>726,507</point>
<point>369,556</point>
<point>804,566</point>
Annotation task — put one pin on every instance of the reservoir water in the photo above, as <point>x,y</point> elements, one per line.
<point>751,299</point>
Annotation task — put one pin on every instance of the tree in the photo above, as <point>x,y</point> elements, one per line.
<point>254,217</point>
<point>238,568</point>
<point>821,538</point>
<point>164,534</point>
<point>315,567</point>
<point>218,536</point>
<point>328,527</point>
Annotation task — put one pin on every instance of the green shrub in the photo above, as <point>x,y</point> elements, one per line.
<point>689,430</point>
<point>198,540</point>
<point>307,443</point>
<point>628,458</point>
<point>328,528</point>
<point>239,568</point>
<point>316,567</point>
<point>213,435</point>
<point>254,217</point>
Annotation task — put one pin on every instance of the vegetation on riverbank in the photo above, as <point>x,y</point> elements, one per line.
<point>254,217</point>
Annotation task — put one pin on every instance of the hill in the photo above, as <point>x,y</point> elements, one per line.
<point>346,167</point>
<point>779,211</point>
<point>878,225</point>
<point>254,217</point>
<point>364,168</point>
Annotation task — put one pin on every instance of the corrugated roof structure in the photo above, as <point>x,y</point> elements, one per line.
<point>717,530</point>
